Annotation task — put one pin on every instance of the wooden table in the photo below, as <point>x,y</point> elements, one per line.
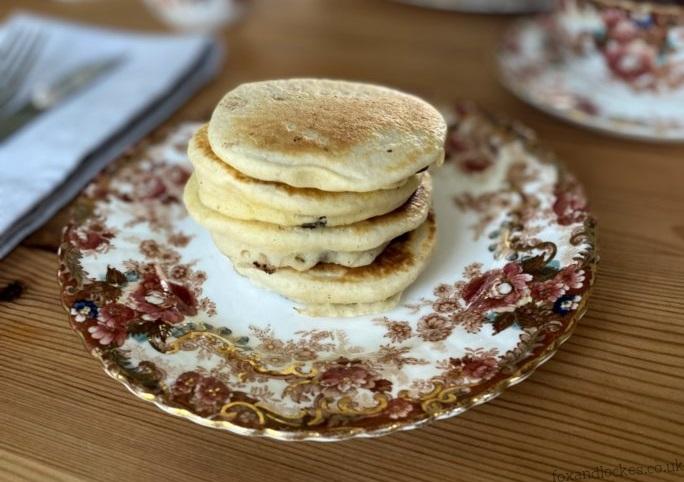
<point>614,394</point>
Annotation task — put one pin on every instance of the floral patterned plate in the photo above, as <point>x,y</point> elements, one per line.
<point>168,317</point>
<point>535,65</point>
<point>484,6</point>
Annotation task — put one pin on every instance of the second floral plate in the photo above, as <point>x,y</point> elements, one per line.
<point>168,317</point>
<point>536,66</point>
<point>485,6</point>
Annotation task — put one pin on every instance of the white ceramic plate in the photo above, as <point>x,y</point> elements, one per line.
<point>485,6</point>
<point>166,314</point>
<point>582,90</point>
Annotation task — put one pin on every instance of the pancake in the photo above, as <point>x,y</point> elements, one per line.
<point>352,309</point>
<point>326,134</point>
<point>268,260</point>
<point>273,246</point>
<point>230,192</point>
<point>327,285</point>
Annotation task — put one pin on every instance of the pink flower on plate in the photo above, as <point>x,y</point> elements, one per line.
<point>624,30</point>
<point>571,277</point>
<point>163,300</point>
<point>474,366</point>
<point>185,384</point>
<point>107,333</point>
<point>478,368</point>
<point>567,279</point>
<point>112,324</point>
<point>206,394</point>
<point>570,205</point>
<point>346,375</point>
<point>549,290</point>
<point>398,408</point>
<point>210,395</point>
<point>116,313</point>
<point>631,60</point>
<point>498,289</point>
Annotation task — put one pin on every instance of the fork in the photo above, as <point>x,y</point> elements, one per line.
<point>18,53</point>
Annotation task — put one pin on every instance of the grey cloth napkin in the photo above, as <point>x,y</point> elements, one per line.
<point>46,163</point>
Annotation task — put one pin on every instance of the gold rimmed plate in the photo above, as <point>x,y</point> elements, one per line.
<point>484,6</point>
<point>168,317</point>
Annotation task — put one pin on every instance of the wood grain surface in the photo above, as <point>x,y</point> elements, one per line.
<point>613,395</point>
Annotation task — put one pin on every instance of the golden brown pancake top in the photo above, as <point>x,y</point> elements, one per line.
<point>304,116</point>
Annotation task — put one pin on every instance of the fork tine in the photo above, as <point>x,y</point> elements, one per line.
<point>10,37</point>
<point>20,60</point>
<point>11,43</point>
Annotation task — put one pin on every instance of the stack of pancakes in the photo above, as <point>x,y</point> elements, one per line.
<point>319,190</point>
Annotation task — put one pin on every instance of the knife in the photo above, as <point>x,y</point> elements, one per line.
<point>47,96</point>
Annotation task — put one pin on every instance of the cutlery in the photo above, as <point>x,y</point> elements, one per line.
<point>18,53</point>
<point>46,96</point>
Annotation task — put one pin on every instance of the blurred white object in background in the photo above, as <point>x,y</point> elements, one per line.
<point>485,6</point>
<point>612,65</point>
<point>202,16</point>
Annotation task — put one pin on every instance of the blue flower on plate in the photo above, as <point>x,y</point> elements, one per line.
<point>566,303</point>
<point>643,20</point>
<point>83,310</point>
